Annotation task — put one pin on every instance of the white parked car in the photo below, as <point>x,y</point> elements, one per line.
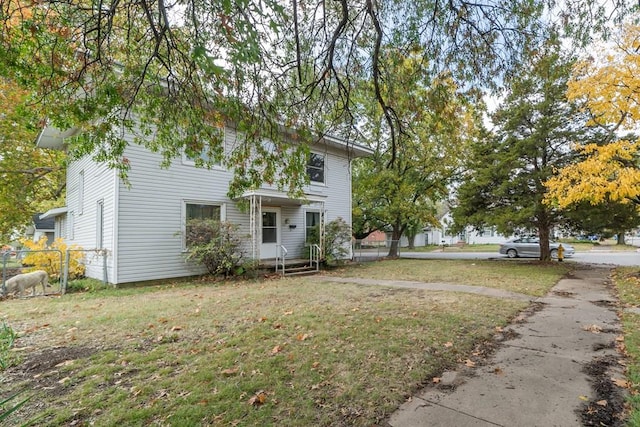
<point>530,247</point>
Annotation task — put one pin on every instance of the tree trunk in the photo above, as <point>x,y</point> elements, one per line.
<point>396,233</point>
<point>545,253</point>
<point>412,241</point>
<point>620,239</point>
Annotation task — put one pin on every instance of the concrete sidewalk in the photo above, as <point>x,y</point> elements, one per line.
<point>537,378</point>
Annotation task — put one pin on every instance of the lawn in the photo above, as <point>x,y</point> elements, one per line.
<point>284,352</point>
<point>508,275</point>
<point>627,282</point>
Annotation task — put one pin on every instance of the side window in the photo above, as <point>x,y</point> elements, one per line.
<point>195,211</point>
<point>315,168</point>
<point>311,226</point>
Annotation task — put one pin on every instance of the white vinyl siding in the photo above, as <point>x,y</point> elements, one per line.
<point>98,183</point>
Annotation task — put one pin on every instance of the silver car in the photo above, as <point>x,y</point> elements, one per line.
<point>530,247</point>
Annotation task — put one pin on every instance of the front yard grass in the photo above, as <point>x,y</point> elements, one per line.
<point>283,352</point>
<point>515,276</point>
<point>627,282</point>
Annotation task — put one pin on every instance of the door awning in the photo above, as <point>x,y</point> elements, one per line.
<point>280,198</point>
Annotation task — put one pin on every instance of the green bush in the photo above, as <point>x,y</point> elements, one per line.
<point>337,241</point>
<point>216,246</point>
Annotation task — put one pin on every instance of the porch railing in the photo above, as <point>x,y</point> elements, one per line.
<point>281,255</point>
<point>314,256</point>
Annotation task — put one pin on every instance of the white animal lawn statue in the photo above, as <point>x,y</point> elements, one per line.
<point>18,284</point>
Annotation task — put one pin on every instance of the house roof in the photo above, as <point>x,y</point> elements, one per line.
<point>52,213</point>
<point>355,150</point>
<point>52,137</point>
<point>43,224</point>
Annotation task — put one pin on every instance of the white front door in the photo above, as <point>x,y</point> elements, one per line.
<point>270,232</point>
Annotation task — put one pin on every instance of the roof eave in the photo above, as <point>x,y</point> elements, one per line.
<point>53,138</point>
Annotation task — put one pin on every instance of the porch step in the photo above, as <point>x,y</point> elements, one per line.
<point>299,271</point>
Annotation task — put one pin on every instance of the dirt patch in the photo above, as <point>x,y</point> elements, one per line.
<point>607,408</point>
<point>41,369</point>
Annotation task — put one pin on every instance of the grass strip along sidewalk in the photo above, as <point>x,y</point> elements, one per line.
<point>275,352</point>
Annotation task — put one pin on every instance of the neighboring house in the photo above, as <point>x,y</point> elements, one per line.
<point>41,227</point>
<point>442,235</point>
<point>141,226</point>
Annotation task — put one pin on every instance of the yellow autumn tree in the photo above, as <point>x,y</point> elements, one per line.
<point>50,257</point>
<point>609,86</point>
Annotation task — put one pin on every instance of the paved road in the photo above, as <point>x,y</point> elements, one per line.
<point>592,257</point>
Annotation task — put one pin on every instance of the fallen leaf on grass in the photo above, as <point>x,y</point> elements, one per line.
<point>498,371</point>
<point>302,337</point>
<point>229,372</point>
<point>448,344</point>
<point>470,363</point>
<point>583,398</point>
<point>436,380</point>
<point>601,402</point>
<point>276,349</point>
<point>288,313</point>
<point>176,328</point>
<point>258,399</point>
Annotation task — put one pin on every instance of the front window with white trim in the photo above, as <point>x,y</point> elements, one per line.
<point>203,211</point>
<point>312,227</point>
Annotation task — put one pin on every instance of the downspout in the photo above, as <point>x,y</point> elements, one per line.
<point>115,235</point>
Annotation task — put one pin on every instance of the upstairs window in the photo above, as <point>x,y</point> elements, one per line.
<point>205,155</point>
<point>315,168</point>
<point>203,158</point>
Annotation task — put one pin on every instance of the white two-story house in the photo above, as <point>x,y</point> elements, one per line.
<point>141,226</point>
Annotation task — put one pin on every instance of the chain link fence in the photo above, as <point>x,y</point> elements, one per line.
<point>372,250</point>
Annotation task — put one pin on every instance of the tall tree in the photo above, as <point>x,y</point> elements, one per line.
<point>608,86</point>
<point>397,189</point>
<point>171,72</point>
<point>534,129</point>
<point>32,179</point>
